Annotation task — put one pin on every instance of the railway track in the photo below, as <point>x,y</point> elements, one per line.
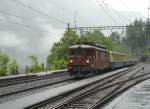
<point>24,79</point>
<point>18,87</point>
<point>122,87</point>
<point>92,95</point>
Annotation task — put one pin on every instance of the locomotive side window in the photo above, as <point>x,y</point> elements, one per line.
<point>99,55</point>
<point>103,55</point>
<point>106,55</point>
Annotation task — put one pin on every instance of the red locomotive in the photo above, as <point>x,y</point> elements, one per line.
<point>89,59</point>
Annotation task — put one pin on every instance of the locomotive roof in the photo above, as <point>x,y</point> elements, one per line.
<point>94,44</point>
<point>118,53</point>
<point>85,47</point>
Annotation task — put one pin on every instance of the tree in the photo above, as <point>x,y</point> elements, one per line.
<point>42,67</point>
<point>4,60</point>
<point>13,67</point>
<point>35,66</point>
<point>136,37</point>
<point>115,36</point>
<point>27,69</point>
<point>34,62</point>
<point>59,51</point>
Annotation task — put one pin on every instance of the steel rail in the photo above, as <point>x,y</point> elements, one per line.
<point>29,79</point>
<point>113,77</point>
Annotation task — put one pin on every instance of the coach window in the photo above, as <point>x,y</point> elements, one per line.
<point>116,57</point>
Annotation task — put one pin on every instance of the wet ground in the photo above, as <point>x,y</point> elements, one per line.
<point>137,97</point>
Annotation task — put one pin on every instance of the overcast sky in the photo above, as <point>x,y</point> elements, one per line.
<point>24,31</point>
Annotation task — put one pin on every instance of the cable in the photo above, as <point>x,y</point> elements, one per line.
<point>38,11</point>
<point>125,5</point>
<point>120,15</point>
<point>13,15</point>
<point>59,6</point>
<point>121,20</point>
<point>28,26</point>
<point>71,13</point>
<point>20,17</point>
<point>111,17</point>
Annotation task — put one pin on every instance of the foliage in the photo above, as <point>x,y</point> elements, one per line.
<point>4,60</point>
<point>35,66</point>
<point>2,72</point>
<point>136,37</point>
<point>13,68</point>
<point>115,36</point>
<point>113,42</point>
<point>34,62</point>
<point>7,66</point>
<point>57,59</point>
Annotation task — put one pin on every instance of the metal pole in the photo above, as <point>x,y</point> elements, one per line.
<point>147,31</point>
<point>148,12</point>
<point>81,33</point>
<point>75,20</point>
<point>68,33</point>
<point>68,27</point>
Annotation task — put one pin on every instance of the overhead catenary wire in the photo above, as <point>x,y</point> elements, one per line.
<point>39,11</point>
<point>13,15</point>
<point>119,14</point>
<point>18,17</point>
<point>22,18</point>
<point>63,9</point>
<point>28,26</point>
<point>110,9</point>
<point>109,15</point>
<point>59,6</point>
<point>126,6</point>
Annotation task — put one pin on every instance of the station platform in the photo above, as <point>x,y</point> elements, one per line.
<point>138,97</point>
<point>51,93</point>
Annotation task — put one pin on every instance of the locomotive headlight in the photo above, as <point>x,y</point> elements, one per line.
<point>87,61</point>
<point>71,61</point>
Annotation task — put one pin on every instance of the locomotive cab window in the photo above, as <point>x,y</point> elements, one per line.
<point>75,52</point>
<point>79,52</point>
